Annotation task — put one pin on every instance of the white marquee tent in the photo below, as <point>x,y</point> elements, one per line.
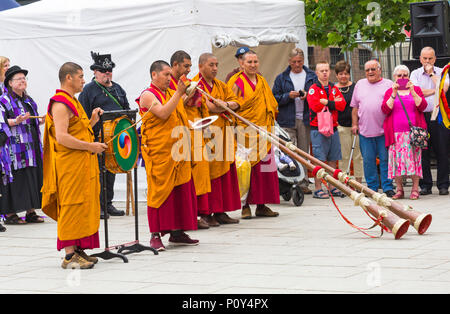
<point>42,36</point>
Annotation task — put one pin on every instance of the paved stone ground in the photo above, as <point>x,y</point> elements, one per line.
<point>307,249</point>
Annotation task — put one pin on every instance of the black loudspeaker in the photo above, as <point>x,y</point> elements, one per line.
<point>430,27</point>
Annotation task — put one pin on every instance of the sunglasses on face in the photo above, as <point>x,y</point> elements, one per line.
<point>402,75</point>
<point>371,69</point>
<point>105,70</point>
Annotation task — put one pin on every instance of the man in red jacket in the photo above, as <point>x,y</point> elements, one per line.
<point>325,148</point>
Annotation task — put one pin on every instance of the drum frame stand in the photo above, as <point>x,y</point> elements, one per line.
<point>131,247</point>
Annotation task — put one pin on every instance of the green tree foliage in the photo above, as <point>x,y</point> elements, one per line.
<point>341,22</point>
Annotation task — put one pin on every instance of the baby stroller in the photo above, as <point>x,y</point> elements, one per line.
<point>289,177</point>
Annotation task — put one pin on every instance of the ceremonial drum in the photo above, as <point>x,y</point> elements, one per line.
<point>123,151</point>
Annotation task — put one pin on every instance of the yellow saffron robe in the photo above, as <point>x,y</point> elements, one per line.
<point>220,161</point>
<point>159,147</point>
<point>71,187</point>
<point>259,106</point>
<point>200,166</point>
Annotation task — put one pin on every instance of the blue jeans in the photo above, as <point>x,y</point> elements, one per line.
<point>371,147</point>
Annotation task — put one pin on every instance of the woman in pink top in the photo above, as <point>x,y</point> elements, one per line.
<point>404,159</point>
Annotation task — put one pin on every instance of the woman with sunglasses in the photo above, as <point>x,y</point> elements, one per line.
<point>404,159</point>
<point>19,113</point>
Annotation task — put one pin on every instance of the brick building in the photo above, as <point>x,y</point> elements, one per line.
<point>358,57</point>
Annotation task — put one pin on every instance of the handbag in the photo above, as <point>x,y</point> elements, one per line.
<point>325,122</point>
<point>418,136</point>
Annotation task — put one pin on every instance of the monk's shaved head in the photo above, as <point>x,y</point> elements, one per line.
<point>158,66</point>
<point>179,57</point>
<point>208,65</point>
<point>204,57</point>
<point>68,68</point>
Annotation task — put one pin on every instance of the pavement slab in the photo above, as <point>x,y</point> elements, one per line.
<point>307,249</point>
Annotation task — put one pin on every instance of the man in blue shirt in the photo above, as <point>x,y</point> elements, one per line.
<point>290,90</point>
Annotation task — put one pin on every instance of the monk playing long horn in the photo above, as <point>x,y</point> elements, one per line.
<point>259,106</point>
<point>224,196</point>
<point>181,65</point>
<point>171,197</point>
<point>71,189</point>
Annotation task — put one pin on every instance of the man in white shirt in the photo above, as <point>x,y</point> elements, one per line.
<point>427,77</point>
<point>298,77</point>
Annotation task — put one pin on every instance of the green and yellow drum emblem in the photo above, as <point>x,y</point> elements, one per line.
<point>123,151</point>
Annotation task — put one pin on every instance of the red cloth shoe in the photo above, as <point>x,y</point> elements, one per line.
<point>156,243</point>
<point>182,239</point>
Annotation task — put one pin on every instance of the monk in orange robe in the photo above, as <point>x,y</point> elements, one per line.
<point>258,105</point>
<point>180,63</point>
<point>166,148</point>
<point>71,189</point>
<point>224,196</point>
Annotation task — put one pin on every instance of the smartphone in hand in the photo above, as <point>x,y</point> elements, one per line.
<point>402,84</point>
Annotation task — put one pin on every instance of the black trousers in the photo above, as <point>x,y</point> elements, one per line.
<point>440,143</point>
<point>110,179</point>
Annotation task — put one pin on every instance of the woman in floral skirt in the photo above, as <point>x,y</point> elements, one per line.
<point>404,159</point>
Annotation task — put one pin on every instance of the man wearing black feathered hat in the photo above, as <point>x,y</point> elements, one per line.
<point>104,93</point>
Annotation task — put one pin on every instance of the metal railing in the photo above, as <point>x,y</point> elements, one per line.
<point>389,58</point>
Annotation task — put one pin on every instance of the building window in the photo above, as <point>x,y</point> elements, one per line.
<point>364,56</point>
<point>335,56</point>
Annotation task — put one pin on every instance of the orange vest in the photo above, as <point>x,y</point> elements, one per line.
<point>159,148</point>
<point>258,105</point>
<point>71,188</point>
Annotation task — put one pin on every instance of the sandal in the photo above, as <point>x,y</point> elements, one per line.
<point>320,194</point>
<point>414,195</point>
<point>33,218</point>
<point>336,192</point>
<point>399,195</point>
<point>14,220</point>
